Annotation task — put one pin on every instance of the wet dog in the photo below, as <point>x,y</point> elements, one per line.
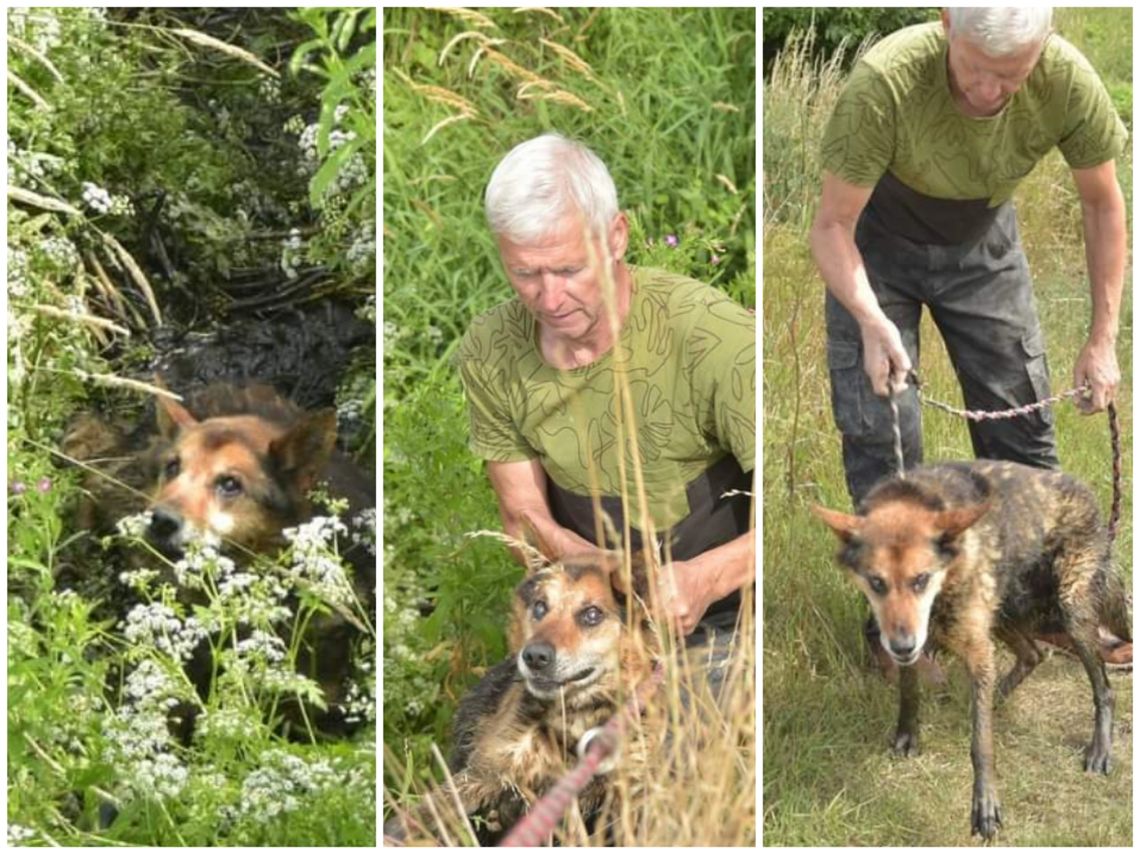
<point>953,555</point>
<point>579,652</point>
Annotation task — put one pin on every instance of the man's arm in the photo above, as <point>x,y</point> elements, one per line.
<point>833,245</point>
<point>521,490</point>
<point>688,587</point>
<point>1103,218</point>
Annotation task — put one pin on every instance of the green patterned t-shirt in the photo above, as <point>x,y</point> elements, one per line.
<point>688,355</point>
<point>896,112</point>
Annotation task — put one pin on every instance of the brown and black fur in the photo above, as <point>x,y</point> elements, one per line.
<point>579,651</point>
<point>1013,549</point>
<point>245,454</point>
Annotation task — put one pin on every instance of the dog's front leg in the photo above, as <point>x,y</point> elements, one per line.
<point>906,735</point>
<point>985,813</point>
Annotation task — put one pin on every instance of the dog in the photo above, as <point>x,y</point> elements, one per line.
<point>579,650</point>
<point>952,555</point>
<point>233,467</point>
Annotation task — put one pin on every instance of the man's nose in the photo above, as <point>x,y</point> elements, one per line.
<point>550,297</point>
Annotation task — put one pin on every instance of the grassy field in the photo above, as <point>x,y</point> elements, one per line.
<point>665,98</point>
<point>829,778</point>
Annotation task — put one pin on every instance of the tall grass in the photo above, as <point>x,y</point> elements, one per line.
<point>665,98</point>
<point>828,776</point>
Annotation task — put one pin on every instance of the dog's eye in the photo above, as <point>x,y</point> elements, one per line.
<point>591,616</point>
<point>538,610</point>
<point>877,584</point>
<point>171,469</point>
<point>228,486</point>
<point>920,582</point>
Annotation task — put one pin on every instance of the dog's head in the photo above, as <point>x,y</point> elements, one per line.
<point>899,553</point>
<point>234,479</point>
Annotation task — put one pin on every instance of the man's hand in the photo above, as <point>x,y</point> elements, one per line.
<point>884,357</point>
<point>685,594</point>
<point>1097,367</point>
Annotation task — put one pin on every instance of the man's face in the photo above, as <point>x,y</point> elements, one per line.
<point>983,83</point>
<point>560,277</point>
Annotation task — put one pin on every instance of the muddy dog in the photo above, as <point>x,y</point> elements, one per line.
<point>955,553</point>
<point>579,651</point>
<point>234,466</point>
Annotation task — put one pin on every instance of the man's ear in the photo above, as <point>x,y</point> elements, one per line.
<point>617,239</point>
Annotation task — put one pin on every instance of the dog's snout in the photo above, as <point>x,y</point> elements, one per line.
<point>538,656</point>
<point>164,524</point>
<point>903,645</point>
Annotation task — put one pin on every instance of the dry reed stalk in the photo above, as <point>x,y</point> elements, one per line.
<point>35,97</point>
<point>570,58</point>
<point>36,55</point>
<point>111,293</point>
<point>464,36</point>
<point>116,381</point>
<point>136,273</point>
<point>540,10</point>
<point>88,319</point>
<point>450,120</point>
<point>468,15</point>
<point>558,96</point>
<point>515,70</point>
<point>47,203</point>
<point>728,185</point>
<point>203,40</point>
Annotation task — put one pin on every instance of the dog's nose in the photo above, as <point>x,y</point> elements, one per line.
<point>164,524</point>
<point>538,656</point>
<point>903,646</point>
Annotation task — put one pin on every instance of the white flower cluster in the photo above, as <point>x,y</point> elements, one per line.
<point>361,254</point>
<point>351,174</point>
<point>138,735</point>
<point>18,835</point>
<point>269,88</point>
<point>19,285</point>
<point>359,702</point>
<point>60,251</point>
<point>134,526</point>
<point>29,168</point>
<point>314,558</point>
<point>364,529</point>
<point>281,785</point>
<point>96,198</point>
<point>291,253</point>
<point>156,625</point>
<point>262,645</point>
<point>226,723</point>
<point>139,580</point>
<point>201,561</point>
<point>295,124</point>
<point>367,310</point>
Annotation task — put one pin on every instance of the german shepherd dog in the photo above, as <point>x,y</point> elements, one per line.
<point>233,467</point>
<point>579,650</point>
<point>955,554</point>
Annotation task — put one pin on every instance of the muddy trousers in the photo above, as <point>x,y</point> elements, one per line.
<point>980,297</point>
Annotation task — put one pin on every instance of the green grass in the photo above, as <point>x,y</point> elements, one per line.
<point>829,778</point>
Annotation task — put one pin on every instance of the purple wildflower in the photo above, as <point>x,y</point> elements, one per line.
<point>671,240</point>
<point>43,484</point>
<point>18,487</point>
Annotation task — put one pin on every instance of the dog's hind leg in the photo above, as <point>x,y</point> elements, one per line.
<point>1080,607</point>
<point>1028,657</point>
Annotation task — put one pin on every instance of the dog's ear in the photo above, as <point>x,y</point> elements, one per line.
<point>533,538</point>
<point>172,416</point>
<point>303,452</point>
<point>953,522</point>
<point>845,526</point>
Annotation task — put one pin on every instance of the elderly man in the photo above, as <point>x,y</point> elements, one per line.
<point>604,386</point>
<point>932,133</point>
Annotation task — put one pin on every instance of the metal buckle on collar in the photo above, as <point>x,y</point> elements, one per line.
<point>610,762</point>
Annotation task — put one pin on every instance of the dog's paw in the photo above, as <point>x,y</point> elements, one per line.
<point>985,815</point>
<point>905,743</point>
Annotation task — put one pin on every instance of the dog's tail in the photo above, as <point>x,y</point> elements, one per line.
<point>1115,606</point>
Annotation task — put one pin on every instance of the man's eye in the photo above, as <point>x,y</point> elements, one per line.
<point>538,610</point>
<point>228,486</point>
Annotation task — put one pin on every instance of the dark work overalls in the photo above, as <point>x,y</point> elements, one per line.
<point>963,261</point>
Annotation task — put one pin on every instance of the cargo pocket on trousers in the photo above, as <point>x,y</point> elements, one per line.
<point>845,363</point>
<point>1037,367</point>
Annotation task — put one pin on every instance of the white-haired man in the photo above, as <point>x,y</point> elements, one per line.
<point>929,138</point>
<point>545,376</point>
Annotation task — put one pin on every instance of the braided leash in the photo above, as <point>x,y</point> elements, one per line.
<point>1017,412</point>
<point>534,828</point>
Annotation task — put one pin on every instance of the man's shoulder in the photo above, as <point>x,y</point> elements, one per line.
<point>501,330</point>
<point>1061,67</point>
<point>906,55</point>
<point>675,289</point>
<point>688,303</point>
